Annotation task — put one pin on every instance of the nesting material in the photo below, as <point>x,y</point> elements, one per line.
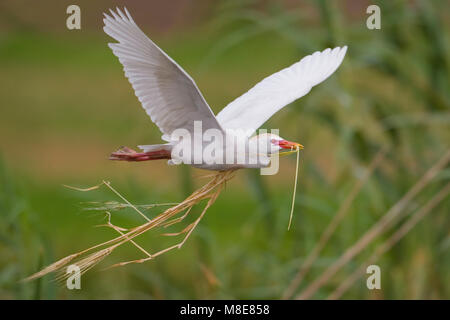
<point>88,258</point>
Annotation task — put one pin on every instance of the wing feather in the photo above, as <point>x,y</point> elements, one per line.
<point>252,109</point>
<point>168,94</point>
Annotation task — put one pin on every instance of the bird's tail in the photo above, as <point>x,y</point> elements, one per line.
<point>151,152</point>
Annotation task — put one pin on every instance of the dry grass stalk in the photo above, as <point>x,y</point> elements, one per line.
<point>119,230</point>
<point>209,191</point>
<point>393,214</point>
<point>332,226</point>
<point>389,243</point>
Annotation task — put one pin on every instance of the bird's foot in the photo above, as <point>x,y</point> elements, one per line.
<point>128,154</point>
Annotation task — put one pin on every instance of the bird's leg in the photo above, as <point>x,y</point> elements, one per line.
<point>128,154</point>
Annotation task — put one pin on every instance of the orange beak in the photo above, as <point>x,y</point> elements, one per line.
<point>290,145</point>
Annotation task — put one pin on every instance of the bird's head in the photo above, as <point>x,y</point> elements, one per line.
<point>275,143</point>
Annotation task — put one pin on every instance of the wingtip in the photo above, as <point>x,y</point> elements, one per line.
<point>343,51</point>
<point>128,14</point>
<point>118,14</point>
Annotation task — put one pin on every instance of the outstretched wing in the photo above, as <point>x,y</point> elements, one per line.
<point>252,109</point>
<point>168,94</point>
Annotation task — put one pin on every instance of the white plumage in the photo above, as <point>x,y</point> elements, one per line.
<point>173,101</point>
<point>168,94</point>
<point>256,106</point>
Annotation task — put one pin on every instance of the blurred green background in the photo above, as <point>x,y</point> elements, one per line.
<point>65,105</point>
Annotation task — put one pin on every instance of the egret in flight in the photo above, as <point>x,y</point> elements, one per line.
<point>174,103</point>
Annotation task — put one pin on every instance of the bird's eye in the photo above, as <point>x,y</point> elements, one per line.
<point>274,141</point>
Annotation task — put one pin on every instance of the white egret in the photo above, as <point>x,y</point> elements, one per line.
<point>174,103</point>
